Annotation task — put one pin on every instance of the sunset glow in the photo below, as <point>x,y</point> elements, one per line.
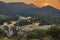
<point>55,5</point>
<point>38,3</point>
<point>46,4</point>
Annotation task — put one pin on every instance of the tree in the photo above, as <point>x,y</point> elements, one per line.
<point>54,32</point>
<point>1,32</point>
<point>37,34</point>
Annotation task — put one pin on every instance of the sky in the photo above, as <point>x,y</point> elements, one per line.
<point>39,3</point>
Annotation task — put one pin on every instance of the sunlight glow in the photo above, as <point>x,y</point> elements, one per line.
<point>46,4</point>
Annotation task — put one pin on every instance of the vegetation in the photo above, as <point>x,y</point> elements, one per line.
<point>37,34</point>
<point>52,33</point>
<point>1,32</point>
<point>44,20</point>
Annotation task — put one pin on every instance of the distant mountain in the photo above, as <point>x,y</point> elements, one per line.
<point>47,10</point>
<point>15,7</point>
<point>19,8</point>
<point>10,11</point>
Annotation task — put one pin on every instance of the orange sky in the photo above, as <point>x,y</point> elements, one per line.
<point>56,5</point>
<point>39,3</point>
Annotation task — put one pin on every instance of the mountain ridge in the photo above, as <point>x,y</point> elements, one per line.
<point>25,4</point>
<point>15,8</point>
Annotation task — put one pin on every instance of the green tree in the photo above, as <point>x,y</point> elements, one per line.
<point>1,32</point>
<point>37,34</point>
<point>54,32</point>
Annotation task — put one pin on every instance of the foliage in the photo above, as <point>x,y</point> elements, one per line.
<point>1,32</point>
<point>37,34</point>
<point>54,32</point>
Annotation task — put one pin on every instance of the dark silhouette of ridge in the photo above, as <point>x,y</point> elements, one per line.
<point>46,10</point>
<point>15,8</point>
<point>49,7</point>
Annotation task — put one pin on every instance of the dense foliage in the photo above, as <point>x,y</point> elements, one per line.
<point>52,33</point>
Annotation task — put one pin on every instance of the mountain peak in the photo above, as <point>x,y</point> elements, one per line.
<point>1,2</point>
<point>49,7</point>
<point>32,5</point>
